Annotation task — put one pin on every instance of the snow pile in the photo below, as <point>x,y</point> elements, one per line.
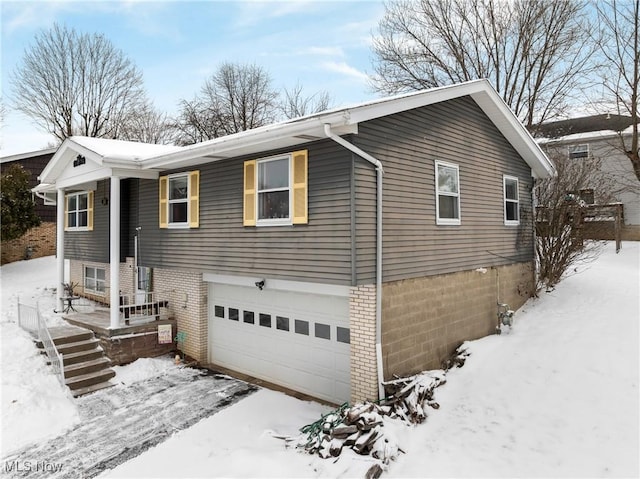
<point>142,369</point>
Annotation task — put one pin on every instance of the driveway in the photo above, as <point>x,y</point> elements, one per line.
<point>121,422</point>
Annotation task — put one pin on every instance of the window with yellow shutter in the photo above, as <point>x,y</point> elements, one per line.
<point>275,190</point>
<point>79,211</point>
<point>179,200</point>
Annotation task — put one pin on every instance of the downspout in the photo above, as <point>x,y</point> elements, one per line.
<point>379,173</point>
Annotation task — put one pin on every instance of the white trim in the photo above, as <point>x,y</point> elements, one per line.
<point>279,284</point>
<point>95,280</point>
<point>182,224</point>
<point>275,221</point>
<point>447,221</point>
<point>508,222</point>
<point>76,211</point>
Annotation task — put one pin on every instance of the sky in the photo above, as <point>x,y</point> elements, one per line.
<point>321,45</point>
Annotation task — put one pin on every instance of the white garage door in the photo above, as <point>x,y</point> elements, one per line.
<point>298,340</point>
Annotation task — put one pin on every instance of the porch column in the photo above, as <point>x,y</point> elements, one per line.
<point>114,252</point>
<point>60,247</point>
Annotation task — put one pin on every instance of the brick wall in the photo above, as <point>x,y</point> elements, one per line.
<point>426,319</point>
<point>185,291</point>
<point>362,317</point>
<point>187,295</point>
<point>42,240</point>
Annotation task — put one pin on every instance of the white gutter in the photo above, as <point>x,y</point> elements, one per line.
<point>380,172</point>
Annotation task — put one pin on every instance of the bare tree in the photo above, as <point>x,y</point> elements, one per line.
<point>619,44</point>
<point>534,52</point>
<point>147,125</point>
<point>76,84</point>
<point>235,98</point>
<point>561,211</point>
<point>294,104</point>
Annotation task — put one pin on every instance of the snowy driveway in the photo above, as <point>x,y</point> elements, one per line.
<point>121,422</point>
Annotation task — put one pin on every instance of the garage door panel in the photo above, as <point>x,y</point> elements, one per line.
<point>293,340</point>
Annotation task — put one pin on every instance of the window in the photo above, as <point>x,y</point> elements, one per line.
<point>447,194</point>
<point>511,200</point>
<point>79,211</point>
<point>579,151</point>
<point>301,327</point>
<point>94,280</point>
<point>275,190</point>
<point>179,200</point>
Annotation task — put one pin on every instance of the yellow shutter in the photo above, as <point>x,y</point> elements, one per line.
<point>66,212</point>
<point>90,210</point>
<point>299,185</point>
<point>249,193</point>
<point>164,201</point>
<point>194,199</point>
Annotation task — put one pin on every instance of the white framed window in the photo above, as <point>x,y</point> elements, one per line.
<point>79,211</point>
<point>510,188</point>
<point>579,151</point>
<point>447,194</point>
<point>274,191</point>
<point>94,280</point>
<point>179,200</point>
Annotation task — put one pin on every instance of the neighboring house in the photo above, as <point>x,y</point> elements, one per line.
<point>599,137</point>
<point>322,253</point>
<point>34,162</point>
<point>41,240</point>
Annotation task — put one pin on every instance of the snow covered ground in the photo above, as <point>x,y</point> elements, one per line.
<point>557,396</point>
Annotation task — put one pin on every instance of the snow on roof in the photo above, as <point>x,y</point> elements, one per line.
<point>586,136</point>
<point>122,150</point>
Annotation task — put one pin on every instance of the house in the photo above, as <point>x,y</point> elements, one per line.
<point>599,137</point>
<point>41,240</point>
<point>34,162</point>
<point>324,253</point>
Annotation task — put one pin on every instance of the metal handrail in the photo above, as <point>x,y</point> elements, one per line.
<point>30,320</point>
<point>143,304</point>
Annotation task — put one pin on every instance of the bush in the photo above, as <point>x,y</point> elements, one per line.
<point>18,209</point>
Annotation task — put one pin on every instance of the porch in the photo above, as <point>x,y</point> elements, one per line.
<point>145,336</point>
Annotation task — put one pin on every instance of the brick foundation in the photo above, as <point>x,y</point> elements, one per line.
<point>426,319</point>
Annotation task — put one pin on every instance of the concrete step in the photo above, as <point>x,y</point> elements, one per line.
<point>85,367</point>
<point>67,334</point>
<point>84,345</point>
<point>89,379</point>
<point>92,388</point>
<point>83,356</point>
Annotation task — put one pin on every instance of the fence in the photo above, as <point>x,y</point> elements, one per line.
<point>30,320</point>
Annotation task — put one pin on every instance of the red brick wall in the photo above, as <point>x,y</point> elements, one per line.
<point>41,238</point>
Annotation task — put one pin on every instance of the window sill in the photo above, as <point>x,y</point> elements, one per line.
<point>448,222</point>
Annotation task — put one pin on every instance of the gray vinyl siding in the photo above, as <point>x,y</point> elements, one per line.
<point>92,245</point>
<point>408,144</point>
<point>317,252</point>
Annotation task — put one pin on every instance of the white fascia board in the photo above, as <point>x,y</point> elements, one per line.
<point>279,284</point>
<point>250,141</point>
<point>26,155</point>
<point>87,177</point>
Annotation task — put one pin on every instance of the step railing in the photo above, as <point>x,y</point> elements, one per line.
<point>30,320</point>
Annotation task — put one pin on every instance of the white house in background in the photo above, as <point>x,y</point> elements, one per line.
<point>598,136</point>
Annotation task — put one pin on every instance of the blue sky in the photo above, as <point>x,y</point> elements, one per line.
<point>323,45</point>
